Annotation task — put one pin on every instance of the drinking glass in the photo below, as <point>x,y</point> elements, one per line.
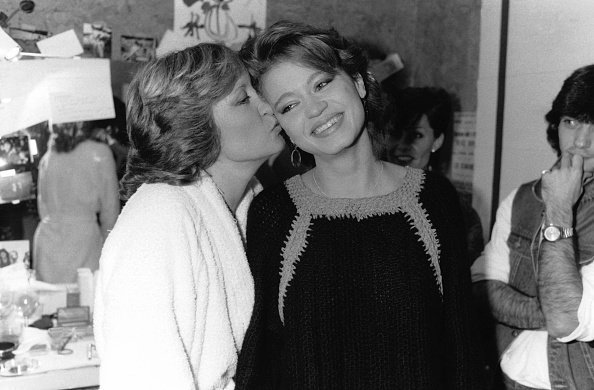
<point>11,327</point>
<point>27,303</point>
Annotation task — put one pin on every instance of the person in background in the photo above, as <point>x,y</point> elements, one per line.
<point>419,123</point>
<point>536,276</point>
<point>174,293</point>
<point>113,133</point>
<point>78,203</point>
<point>356,263</point>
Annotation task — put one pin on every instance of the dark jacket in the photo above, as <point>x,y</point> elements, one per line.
<point>571,365</point>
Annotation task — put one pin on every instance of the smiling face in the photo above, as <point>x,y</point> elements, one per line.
<point>576,137</point>
<point>414,146</point>
<point>248,130</point>
<point>322,113</point>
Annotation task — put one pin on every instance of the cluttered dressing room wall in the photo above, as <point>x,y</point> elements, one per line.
<point>437,41</point>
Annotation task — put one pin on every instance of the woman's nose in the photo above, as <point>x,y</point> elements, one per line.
<point>263,107</point>
<point>583,136</point>
<point>315,107</point>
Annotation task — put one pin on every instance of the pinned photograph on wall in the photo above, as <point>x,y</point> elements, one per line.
<point>12,252</point>
<point>39,136</point>
<point>137,49</point>
<point>230,22</point>
<point>16,179</point>
<point>97,40</point>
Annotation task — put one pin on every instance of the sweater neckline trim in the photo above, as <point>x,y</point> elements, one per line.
<point>317,205</point>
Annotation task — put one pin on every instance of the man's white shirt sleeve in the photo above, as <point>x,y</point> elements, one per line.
<point>493,263</point>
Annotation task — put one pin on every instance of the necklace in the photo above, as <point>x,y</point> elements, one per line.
<point>375,186</point>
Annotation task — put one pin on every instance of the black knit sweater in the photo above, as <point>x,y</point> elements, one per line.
<point>369,293</point>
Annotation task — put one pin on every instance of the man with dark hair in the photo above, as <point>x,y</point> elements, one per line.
<point>537,272</point>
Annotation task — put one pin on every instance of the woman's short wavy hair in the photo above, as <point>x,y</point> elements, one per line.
<point>575,100</point>
<point>322,49</point>
<point>170,119</point>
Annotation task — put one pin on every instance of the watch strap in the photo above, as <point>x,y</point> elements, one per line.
<point>564,232</point>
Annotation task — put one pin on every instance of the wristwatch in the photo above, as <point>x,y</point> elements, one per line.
<point>554,233</point>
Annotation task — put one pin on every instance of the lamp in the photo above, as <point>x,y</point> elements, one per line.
<point>9,49</point>
<point>12,51</point>
<point>27,6</point>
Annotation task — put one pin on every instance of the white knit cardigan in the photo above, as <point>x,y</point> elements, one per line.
<point>175,293</point>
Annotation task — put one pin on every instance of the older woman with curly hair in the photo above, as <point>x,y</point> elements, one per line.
<point>175,293</point>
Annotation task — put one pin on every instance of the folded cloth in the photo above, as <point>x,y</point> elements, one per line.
<point>30,337</point>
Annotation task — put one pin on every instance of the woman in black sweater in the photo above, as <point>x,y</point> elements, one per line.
<point>358,263</point>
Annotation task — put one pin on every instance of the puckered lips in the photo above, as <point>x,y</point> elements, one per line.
<point>276,129</point>
<point>328,126</point>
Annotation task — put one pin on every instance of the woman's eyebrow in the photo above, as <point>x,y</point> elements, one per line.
<point>309,80</point>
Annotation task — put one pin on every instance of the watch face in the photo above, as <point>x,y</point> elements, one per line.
<point>552,233</point>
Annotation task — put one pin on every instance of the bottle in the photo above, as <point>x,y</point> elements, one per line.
<point>86,287</point>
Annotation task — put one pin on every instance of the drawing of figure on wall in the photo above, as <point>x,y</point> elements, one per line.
<point>229,22</point>
<point>219,24</point>
<point>193,26</point>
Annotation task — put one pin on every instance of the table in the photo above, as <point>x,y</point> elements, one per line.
<point>58,371</point>
<point>52,380</point>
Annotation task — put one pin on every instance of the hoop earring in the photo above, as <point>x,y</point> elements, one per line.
<point>295,157</point>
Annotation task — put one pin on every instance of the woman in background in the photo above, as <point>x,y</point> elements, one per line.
<point>175,294</point>
<point>419,123</point>
<point>356,263</point>
<point>78,203</point>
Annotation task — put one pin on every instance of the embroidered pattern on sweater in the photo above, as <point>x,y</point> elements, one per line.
<point>310,205</point>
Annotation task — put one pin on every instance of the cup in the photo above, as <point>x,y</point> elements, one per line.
<point>59,337</point>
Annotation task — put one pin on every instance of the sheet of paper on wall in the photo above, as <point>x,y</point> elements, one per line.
<point>229,22</point>
<point>79,90</point>
<point>65,44</point>
<point>173,41</point>
<point>462,164</point>
<point>23,95</point>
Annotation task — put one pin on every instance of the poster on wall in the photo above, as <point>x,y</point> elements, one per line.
<point>462,168</point>
<point>12,252</point>
<point>225,21</point>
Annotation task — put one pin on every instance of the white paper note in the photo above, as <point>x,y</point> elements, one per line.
<point>65,44</point>
<point>79,90</point>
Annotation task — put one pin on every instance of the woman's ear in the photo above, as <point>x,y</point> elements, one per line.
<point>360,85</point>
<point>437,143</point>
